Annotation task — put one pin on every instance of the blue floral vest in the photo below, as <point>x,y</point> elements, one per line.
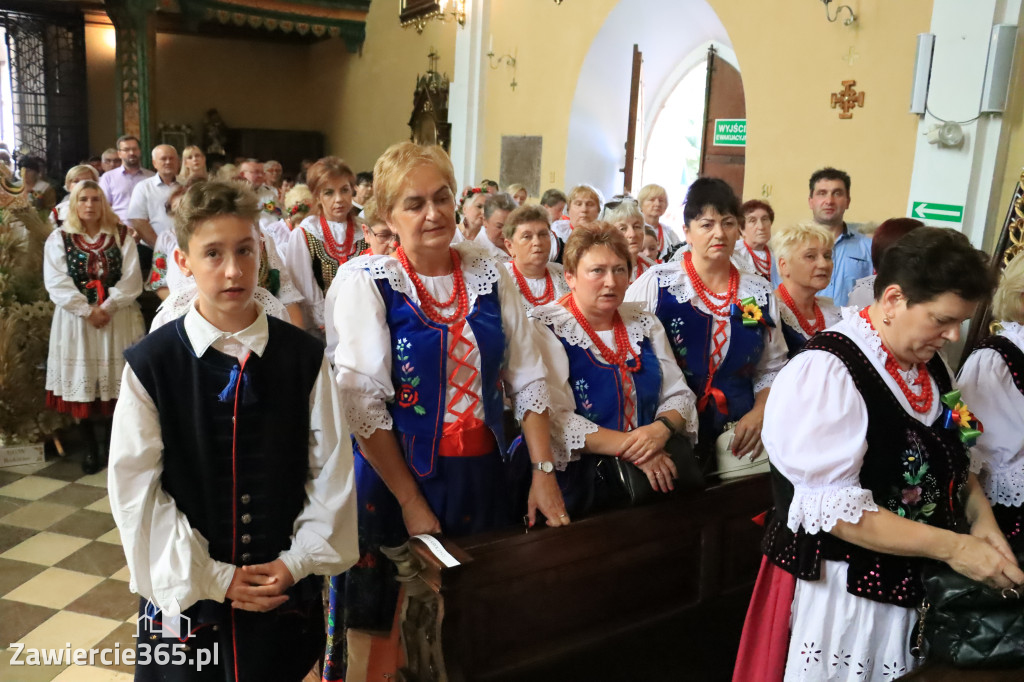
<point>598,387</point>
<point>689,332</point>
<point>419,356</point>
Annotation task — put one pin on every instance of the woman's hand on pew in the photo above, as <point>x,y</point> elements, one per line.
<point>419,518</point>
<point>546,498</point>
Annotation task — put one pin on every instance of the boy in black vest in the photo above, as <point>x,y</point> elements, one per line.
<point>230,469</point>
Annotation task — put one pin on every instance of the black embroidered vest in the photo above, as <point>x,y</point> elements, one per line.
<point>1012,356</point>
<point>89,264</point>
<point>913,470</point>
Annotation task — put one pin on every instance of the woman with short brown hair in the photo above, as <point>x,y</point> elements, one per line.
<point>326,239</point>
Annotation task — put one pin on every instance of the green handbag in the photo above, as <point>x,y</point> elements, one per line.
<point>965,624</point>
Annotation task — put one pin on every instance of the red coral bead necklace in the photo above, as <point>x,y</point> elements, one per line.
<point>430,305</point>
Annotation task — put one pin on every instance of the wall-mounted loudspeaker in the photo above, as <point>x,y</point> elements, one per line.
<point>922,72</point>
<point>997,70</point>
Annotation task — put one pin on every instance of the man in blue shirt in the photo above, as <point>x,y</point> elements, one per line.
<point>829,199</point>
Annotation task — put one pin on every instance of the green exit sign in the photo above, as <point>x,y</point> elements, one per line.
<point>948,213</point>
<point>730,132</point>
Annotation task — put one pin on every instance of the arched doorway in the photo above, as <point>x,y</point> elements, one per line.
<point>681,144</point>
<point>669,33</point>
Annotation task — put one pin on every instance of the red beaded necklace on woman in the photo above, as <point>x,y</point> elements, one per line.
<point>727,299</point>
<point>920,403</point>
<point>524,287</point>
<point>819,317</point>
<point>623,350</point>
<point>430,305</point>
<point>331,246</point>
<point>762,265</point>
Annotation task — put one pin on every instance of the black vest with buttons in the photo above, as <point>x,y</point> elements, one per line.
<point>912,469</point>
<point>235,462</point>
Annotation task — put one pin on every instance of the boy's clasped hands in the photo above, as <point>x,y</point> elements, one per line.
<point>260,587</point>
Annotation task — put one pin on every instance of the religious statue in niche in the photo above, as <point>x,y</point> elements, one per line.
<point>847,98</point>
<point>214,133</point>
<point>429,120</point>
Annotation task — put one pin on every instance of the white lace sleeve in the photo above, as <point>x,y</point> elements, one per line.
<point>569,437</point>
<point>815,430</point>
<point>773,357</point>
<point>362,357</point>
<point>989,391</point>
<point>533,397</point>
<point>818,509</point>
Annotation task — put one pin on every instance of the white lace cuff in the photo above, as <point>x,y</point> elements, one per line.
<point>818,509</point>
<point>764,381</point>
<point>1005,487</point>
<point>534,397</point>
<point>365,415</point>
<point>569,437</point>
<point>684,405</point>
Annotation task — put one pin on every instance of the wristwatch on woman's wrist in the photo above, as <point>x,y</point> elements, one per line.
<point>546,467</point>
<point>664,420</point>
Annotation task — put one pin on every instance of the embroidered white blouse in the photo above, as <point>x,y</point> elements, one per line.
<point>989,392</point>
<point>673,277</point>
<point>169,560</point>
<point>537,285</point>
<point>300,264</point>
<point>815,429</point>
<point>569,429</point>
<point>362,357</point>
<point>863,292</point>
<point>829,310</point>
<point>62,289</point>
<point>485,243</point>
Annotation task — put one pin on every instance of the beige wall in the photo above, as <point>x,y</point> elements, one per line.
<point>789,71</point>
<point>99,73</point>
<point>252,83</point>
<point>1013,119</point>
<point>371,104</point>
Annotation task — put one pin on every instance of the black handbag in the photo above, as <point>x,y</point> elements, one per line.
<point>637,486</point>
<point>965,624</point>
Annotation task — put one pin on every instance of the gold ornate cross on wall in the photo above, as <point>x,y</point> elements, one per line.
<point>847,98</point>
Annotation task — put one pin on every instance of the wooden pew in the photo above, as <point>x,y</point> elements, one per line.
<point>654,592</point>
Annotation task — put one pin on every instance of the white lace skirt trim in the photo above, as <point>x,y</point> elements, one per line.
<point>818,509</point>
<point>84,363</point>
<point>534,397</point>
<point>836,636</point>
<point>765,381</point>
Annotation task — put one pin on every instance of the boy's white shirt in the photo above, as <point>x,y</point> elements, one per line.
<point>169,560</point>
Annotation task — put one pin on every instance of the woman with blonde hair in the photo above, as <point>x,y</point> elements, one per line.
<point>77,174</point>
<point>584,207</point>
<point>427,338</point>
<point>992,382</point>
<point>627,219</point>
<point>653,201</point>
<point>91,271</point>
<point>193,164</point>
<point>298,202</point>
<point>804,254</point>
<point>519,193</point>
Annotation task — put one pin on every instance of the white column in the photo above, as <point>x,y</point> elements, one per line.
<point>962,176</point>
<point>467,91</point>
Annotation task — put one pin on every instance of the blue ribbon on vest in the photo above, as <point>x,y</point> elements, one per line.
<point>227,395</point>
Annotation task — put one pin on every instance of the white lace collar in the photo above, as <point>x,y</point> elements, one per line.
<point>828,310</point>
<point>872,341</point>
<point>634,315</point>
<point>673,277</point>
<point>311,224</point>
<point>479,271</point>
<point>1013,331</point>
